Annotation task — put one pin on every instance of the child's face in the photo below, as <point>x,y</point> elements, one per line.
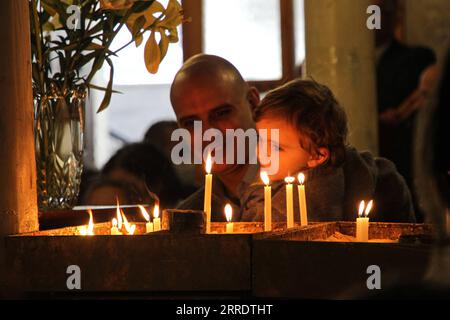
<point>292,158</point>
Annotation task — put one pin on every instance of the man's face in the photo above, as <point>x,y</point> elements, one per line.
<point>217,104</point>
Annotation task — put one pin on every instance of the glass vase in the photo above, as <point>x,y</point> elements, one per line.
<point>59,128</point>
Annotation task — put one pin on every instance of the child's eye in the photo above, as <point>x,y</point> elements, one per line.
<point>276,147</point>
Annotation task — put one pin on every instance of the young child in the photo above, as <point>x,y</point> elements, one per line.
<point>312,139</point>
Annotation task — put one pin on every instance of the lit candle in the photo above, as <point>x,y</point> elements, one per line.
<point>89,230</point>
<point>302,200</point>
<point>119,216</point>
<point>114,229</point>
<point>130,228</point>
<point>148,224</point>
<point>229,216</point>
<point>267,202</point>
<point>362,222</point>
<point>289,201</point>
<point>208,193</point>
<point>156,219</point>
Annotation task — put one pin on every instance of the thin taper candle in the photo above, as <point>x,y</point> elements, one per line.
<point>302,200</point>
<point>267,202</point>
<point>362,222</point>
<point>208,193</point>
<point>289,202</point>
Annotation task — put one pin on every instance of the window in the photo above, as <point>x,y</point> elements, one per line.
<point>129,67</point>
<point>246,33</point>
<point>264,39</point>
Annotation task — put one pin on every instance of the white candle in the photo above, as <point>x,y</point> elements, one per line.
<point>302,200</point>
<point>267,202</point>
<point>208,193</point>
<point>148,224</point>
<point>114,229</point>
<point>119,216</point>
<point>289,202</point>
<point>362,222</point>
<point>229,217</point>
<point>156,219</point>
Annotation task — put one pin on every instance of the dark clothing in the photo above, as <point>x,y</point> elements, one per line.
<point>333,194</point>
<point>398,75</point>
<point>220,197</point>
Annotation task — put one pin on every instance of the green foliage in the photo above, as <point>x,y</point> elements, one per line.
<point>63,57</point>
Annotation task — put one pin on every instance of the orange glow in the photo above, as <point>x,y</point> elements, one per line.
<point>89,230</point>
<point>156,211</point>
<point>130,228</point>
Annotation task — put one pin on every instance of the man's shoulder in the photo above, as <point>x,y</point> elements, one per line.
<point>194,201</point>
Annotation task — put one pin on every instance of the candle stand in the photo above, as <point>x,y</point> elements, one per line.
<point>320,260</point>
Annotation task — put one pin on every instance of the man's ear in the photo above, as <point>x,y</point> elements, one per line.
<point>319,157</point>
<point>253,98</point>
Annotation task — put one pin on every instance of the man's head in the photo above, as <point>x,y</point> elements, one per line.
<point>312,126</point>
<point>210,89</point>
<point>389,19</point>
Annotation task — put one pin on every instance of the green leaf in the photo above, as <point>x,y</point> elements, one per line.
<point>108,92</point>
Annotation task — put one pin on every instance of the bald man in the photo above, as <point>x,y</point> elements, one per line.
<point>210,89</point>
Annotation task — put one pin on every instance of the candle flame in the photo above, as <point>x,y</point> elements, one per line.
<point>156,211</point>
<point>368,208</point>
<point>289,179</point>
<point>83,230</point>
<point>265,178</point>
<point>301,178</point>
<point>130,228</point>
<point>228,212</point>
<point>91,223</point>
<point>361,208</point>
<point>208,164</point>
<point>144,213</point>
<point>89,230</point>
<point>119,215</point>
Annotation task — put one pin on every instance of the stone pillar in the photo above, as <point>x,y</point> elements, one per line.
<point>18,200</point>
<point>428,24</point>
<point>340,54</point>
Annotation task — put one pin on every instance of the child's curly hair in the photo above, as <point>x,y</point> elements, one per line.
<point>314,111</point>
